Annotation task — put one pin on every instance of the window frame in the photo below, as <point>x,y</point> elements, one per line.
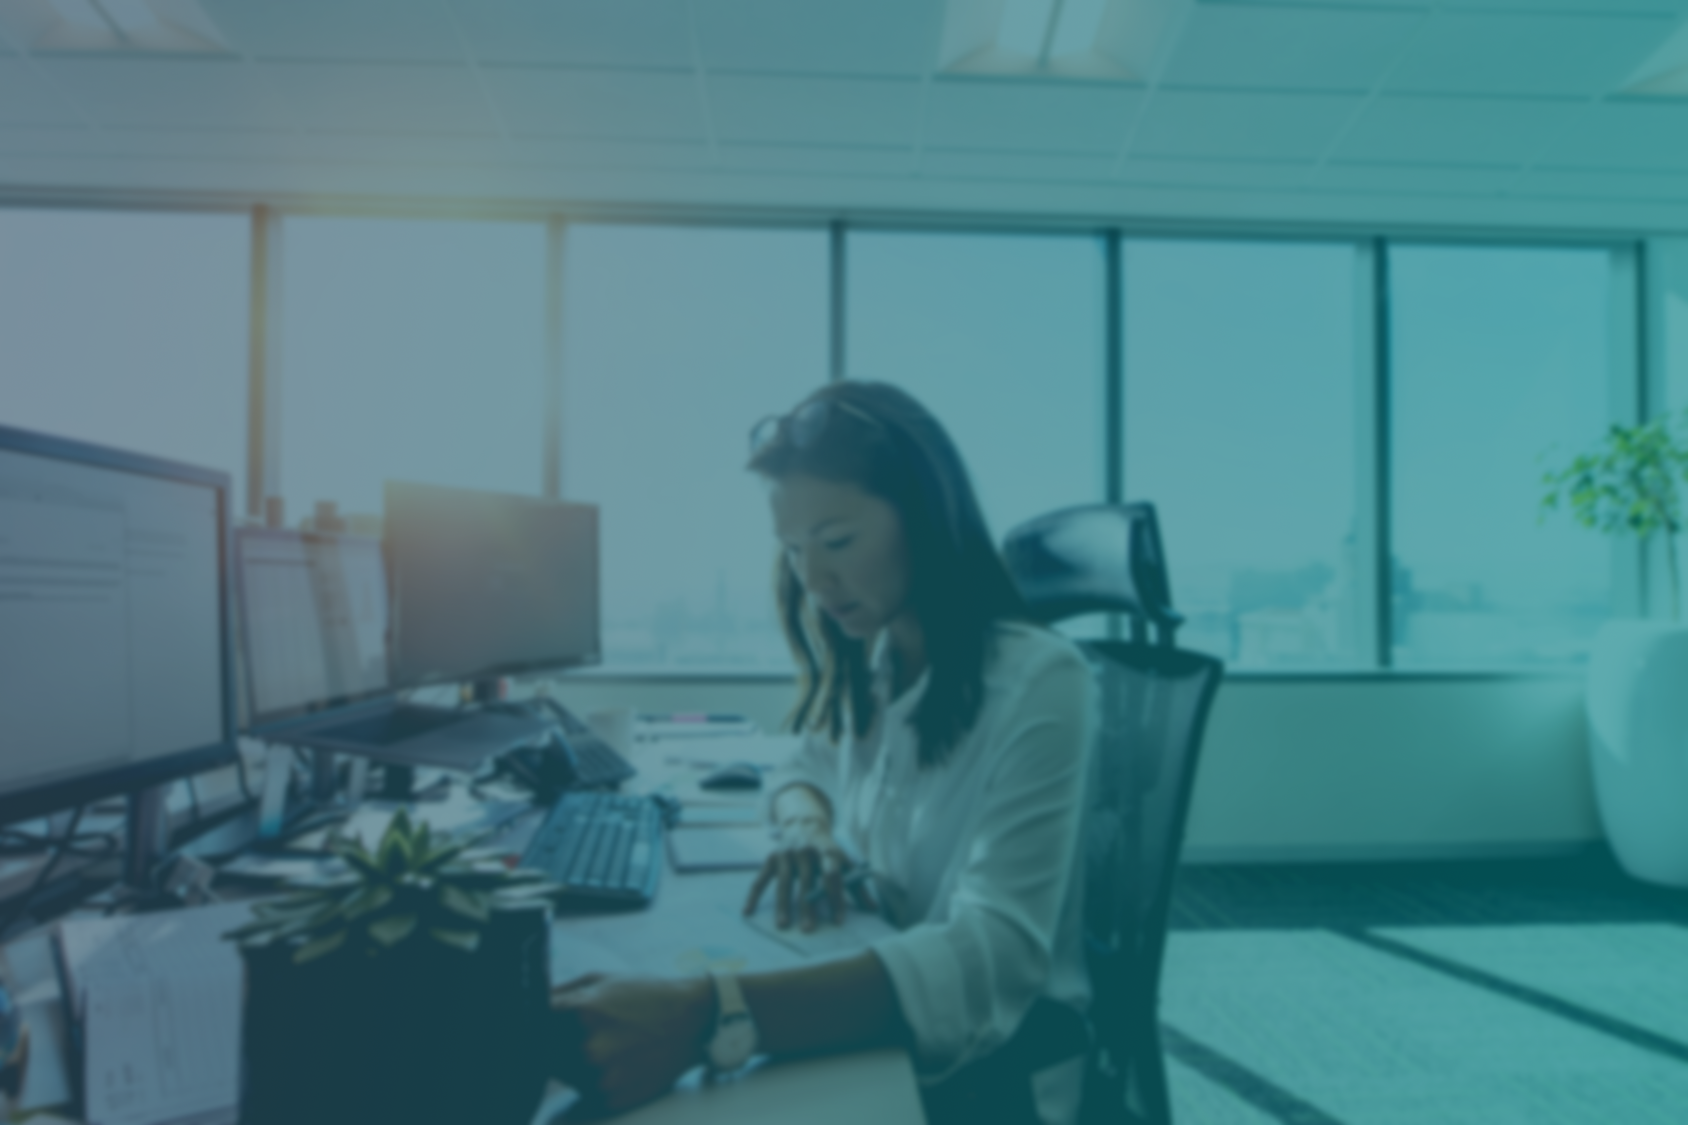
<point>1629,387</point>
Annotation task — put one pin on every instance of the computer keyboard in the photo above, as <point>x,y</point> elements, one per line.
<point>601,847</point>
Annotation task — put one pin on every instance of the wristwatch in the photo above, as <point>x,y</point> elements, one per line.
<point>734,1040</point>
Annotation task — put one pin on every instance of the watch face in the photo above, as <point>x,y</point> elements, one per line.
<point>734,1043</point>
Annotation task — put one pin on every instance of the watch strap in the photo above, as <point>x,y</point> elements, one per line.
<point>729,998</point>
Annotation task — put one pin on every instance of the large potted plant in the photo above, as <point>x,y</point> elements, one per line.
<point>1630,484</point>
<point>414,988</point>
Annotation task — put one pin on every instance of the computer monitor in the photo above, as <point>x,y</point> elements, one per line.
<point>115,664</point>
<point>314,618</point>
<point>487,585</point>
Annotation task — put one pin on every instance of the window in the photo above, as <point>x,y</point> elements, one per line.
<point>676,340</point>
<point>128,329</point>
<point>1001,337</point>
<point>410,351</point>
<point>1499,357</point>
<point>1240,410</point>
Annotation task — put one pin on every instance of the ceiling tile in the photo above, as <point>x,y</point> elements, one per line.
<point>608,33</point>
<point>1534,54</point>
<point>816,111</point>
<point>1252,126</point>
<point>343,30</point>
<point>1027,116</point>
<point>1409,179</point>
<point>374,97</point>
<point>26,99</point>
<point>1215,173</point>
<point>1603,185</point>
<point>1623,135</point>
<point>1288,48</point>
<point>868,37</point>
<point>1481,131</point>
<point>1599,7</point>
<point>1015,166</point>
<point>597,103</point>
<point>170,93</point>
<point>599,152</point>
<point>815,160</point>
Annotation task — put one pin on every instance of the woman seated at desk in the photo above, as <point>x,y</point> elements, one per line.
<point>946,746</point>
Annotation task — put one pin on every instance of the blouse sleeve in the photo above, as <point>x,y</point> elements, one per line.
<point>966,978</point>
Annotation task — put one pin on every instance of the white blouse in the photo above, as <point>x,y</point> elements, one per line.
<point>975,860</point>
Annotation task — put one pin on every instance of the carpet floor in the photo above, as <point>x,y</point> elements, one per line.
<point>1530,992</point>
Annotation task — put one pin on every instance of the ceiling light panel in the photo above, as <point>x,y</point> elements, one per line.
<point>339,30</point>
<point>112,26</point>
<point>1117,40</point>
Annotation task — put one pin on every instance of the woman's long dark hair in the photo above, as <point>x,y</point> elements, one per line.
<point>878,438</point>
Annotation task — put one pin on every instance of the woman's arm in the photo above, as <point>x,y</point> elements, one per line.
<point>624,1041</point>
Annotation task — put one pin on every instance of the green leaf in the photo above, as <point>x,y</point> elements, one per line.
<point>391,931</point>
<point>322,947</point>
<point>466,940</point>
<point>475,907</point>
<point>367,901</point>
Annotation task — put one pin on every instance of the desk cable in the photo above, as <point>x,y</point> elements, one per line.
<point>69,843</point>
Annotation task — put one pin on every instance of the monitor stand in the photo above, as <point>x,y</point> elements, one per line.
<point>146,837</point>
<point>398,782</point>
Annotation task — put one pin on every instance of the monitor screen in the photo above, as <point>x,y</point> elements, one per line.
<point>114,662</point>
<point>486,584</point>
<point>313,620</point>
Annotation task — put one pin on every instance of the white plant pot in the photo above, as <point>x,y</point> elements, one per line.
<point>1638,740</point>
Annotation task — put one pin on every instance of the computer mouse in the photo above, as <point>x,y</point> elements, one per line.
<point>733,775</point>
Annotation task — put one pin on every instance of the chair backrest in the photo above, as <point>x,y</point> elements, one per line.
<point>1154,707</point>
<point>1096,558</point>
<point>1154,703</point>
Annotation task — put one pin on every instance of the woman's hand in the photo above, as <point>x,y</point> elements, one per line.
<point>806,858</point>
<point>625,1040</point>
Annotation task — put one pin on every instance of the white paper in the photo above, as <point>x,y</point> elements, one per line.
<point>709,937</point>
<point>719,848</point>
<point>162,1048</point>
<point>861,928</point>
<point>159,998</point>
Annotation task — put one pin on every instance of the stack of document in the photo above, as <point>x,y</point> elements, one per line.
<point>154,1003</point>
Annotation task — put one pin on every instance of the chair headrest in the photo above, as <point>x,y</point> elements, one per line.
<point>1096,558</point>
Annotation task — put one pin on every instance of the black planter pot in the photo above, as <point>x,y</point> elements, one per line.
<point>421,1033</point>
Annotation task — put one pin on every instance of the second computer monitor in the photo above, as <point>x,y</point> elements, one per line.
<point>486,584</point>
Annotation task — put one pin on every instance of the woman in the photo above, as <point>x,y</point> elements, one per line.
<point>945,750</point>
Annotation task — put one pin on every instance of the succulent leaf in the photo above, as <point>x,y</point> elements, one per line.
<point>466,940</point>
<point>321,947</point>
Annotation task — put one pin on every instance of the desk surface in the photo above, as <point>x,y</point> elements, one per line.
<point>693,925</point>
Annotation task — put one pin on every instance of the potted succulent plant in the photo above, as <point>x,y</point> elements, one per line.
<point>1637,700</point>
<point>414,988</point>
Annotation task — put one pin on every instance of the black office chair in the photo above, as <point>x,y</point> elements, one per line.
<point>1155,698</point>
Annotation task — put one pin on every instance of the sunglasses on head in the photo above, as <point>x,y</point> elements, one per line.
<point>804,425</point>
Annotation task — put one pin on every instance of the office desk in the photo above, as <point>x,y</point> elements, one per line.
<point>693,925</point>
